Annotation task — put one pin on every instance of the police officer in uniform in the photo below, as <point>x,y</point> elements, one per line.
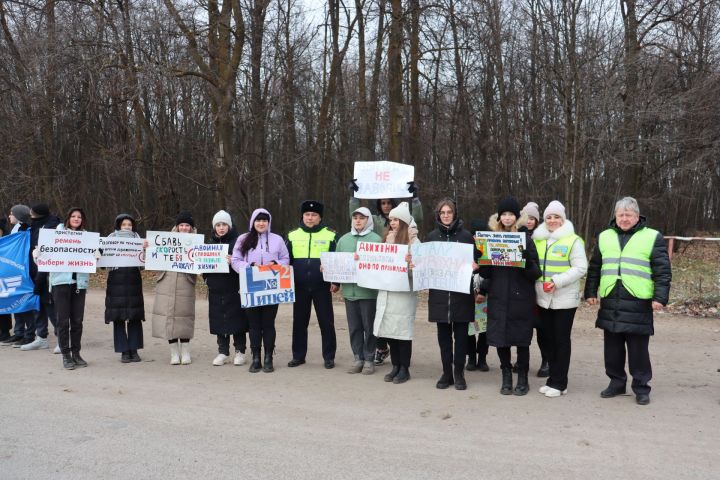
<point>630,272</point>
<point>305,245</point>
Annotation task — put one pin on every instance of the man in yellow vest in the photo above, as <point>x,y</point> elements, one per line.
<point>305,245</point>
<point>630,273</point>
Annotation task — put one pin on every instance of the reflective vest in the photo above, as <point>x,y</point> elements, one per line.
<point>310,245</point>
<point>631,264</point>
<point>556,258</point>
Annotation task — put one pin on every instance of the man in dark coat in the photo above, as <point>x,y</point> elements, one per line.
<point>630,270</point>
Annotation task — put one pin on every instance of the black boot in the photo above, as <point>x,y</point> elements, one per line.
<point>471,363</point>
<point>68,362</point>
<point>460,378</point>
<point>79,362</point>
<point>522,384</point>
<point>389,377</point>
<point>482,364</point>
<point>507,386</point>
<point>446,379</point>
<point>256,365</point>
<point>125,357</point>
<point>544,370</point>
<point>268,367</point>
<point>402,376</point>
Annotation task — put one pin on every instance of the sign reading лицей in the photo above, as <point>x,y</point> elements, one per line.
<point>383,179</point>
<point>67,251</point>
<point>267,285</point>
<point>382,266</point>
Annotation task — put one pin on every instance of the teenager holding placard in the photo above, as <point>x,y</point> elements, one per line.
<point>173,316</point>
<point>124,302</point>
<point>68,292</point>
<point>258,247</point>
<point>395,312</point>
<point>451,311</point>
<point>511,301</point>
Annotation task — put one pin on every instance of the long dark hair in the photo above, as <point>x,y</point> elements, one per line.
<point>250,241</point>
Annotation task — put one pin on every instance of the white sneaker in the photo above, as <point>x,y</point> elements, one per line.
<point>220,359</point>
<point>239,358</point>
<point>37,344</point>
<point>57,350</point>
<point>185,353</point>
<point>543,389</point>
<point>554,392</point>
<point>174,354</point>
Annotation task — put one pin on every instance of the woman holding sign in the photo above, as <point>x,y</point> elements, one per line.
<point>124,303</point>
<point>451,311</point>
<point>395,311</point>
<point>563,264</point>
<point>511,300</point>
<point>68,292</point>
<point>258,247</point>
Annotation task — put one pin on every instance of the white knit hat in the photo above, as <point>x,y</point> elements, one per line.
<point>555,208</point>
<point>222,217</point>
<point>402,212</point>
<point>532,210</point>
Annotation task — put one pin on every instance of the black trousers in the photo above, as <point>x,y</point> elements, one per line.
<point>445,332</point>
<point>262,328</point>
<point>556,326</point>
<point>381,344</point>
<point>400,352</point>
<point>46,313</point>
<point>239,343</point>
<point>69,311</point>
<point>322,300</point>
<point>127,335</point>
<point>478,345</point>
<point>638,357</point>
<point>523,358</point>
<point>5,323</point>
<point>544,342</point>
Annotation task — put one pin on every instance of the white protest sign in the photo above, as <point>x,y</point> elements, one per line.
<point>267,285</point>
<point>503,249</point>
<point>170,251</point>
<point>67,251</point>
<point>383,179</point>
<point>122,252</point>
<point>382,266</point>
<point>210,258</point>
<point>442,266</point>
<point>339,267</point>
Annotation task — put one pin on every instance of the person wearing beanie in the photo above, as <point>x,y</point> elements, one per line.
<point>451,311</point>
<point>256,248</point>
<point>124,301</point>
<point>19,215</point>
<point>68,291</point>
<point>360,302</point>
<point>305,244</point>
<point>511,301</point>
<point>173,315</point>
<point>395,312</point>
<point>532,211</point>
<point>477,347</point>
<point>226,316</point>
<point>563,264</point>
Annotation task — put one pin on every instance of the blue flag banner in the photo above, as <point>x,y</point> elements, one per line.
<point>16,287</point>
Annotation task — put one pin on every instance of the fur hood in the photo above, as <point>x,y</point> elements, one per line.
<point>494,223</point>
<point>542,233</point>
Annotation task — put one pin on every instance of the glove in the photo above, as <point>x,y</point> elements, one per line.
<point>352,185</point>
<point>98,254</point>
<point>412,188</point>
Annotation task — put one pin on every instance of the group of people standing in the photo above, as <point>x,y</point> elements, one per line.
<point>629,272</point>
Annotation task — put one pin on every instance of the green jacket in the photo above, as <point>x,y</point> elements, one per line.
<point>379,220</point>
<point>348,243</point>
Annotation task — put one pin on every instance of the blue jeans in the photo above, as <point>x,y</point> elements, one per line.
<point>24,323</point>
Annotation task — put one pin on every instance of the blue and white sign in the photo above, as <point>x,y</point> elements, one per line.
<point>267,285</point>
<point>16,287</point>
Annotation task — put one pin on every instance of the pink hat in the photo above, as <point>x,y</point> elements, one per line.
<point>532,210</point>
<point>555,208</point>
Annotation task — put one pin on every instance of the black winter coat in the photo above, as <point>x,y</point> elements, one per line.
<point>124,295</point>
<point>444,306</point>
<point>620,312</point>
<point>511,300</point>
<point>40,278</point>
<point>226,315</point>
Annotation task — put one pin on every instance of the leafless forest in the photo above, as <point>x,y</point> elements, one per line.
<point>151,106</point>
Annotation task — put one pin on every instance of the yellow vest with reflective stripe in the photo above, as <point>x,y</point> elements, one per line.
<point>310,245</point>
<point>630,264</point>
<point>558,256</point>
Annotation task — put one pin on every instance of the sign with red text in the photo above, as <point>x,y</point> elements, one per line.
<point>121,252</point>
<point>67,251</point>
<point>383,266</point>
<point>171,251</point>
<point>383,179</point>
<point>267,285</point>
<point>442,266</point>
<point>504,249</point>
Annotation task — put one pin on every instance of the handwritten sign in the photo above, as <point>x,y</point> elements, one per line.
<point>501,248</point>
<point>442,266</point>
<point>122,252</point>
<point>383,179</point>
<point>480,323</point>
<point>267,285</point>
<point>170,251</point>
<point>339,267</point>
<point>382,266</point>
<point>210,258</point>
<point>67,251</point>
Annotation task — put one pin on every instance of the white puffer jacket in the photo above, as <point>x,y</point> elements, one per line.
<point>567,284</point>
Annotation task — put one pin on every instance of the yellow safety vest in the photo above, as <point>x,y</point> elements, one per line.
<point>310,245</point>
<point>556,258</point>
<point>631,264</point>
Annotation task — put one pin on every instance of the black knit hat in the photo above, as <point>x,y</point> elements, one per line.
<point>312,206</point>
<point>508,204</point>
<point>40,209</point>
<point>124,216</point>
<point>184,217</point>
<point>21,212</point>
